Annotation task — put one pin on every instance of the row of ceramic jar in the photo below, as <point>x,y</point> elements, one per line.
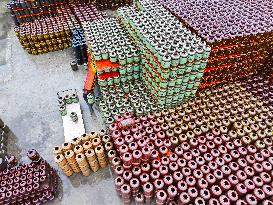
<point>218,167</point>
<point>240,49</point>
<point>137,101</point>
<point>163,56</point>
<point>181,69</point>
<point>112,4</point>
<point>43,48</point>
<point>239,58</point>
<point>87,12</point>
<point>195,18</point>
<point>82,153</point>
<point>261,86</point>
<point>21,4</point>
<point>25,182</point>
<point>231,72</point>
<point>25,11</point>
<point>43,29</point>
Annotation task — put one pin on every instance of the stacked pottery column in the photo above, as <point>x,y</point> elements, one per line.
<point>173,58</point>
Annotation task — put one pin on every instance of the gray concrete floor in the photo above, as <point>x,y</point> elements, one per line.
<point>28,105</point>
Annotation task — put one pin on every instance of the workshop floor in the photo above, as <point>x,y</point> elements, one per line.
<point>28,105</point>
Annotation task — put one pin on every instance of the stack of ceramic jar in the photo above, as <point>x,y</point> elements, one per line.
<point>117,63</point>
<point>87,12</point>
<point>83,12</point>
<point>34,183</point>
<point>240,34</point>
<point>83,154</point>
<point>27,11</point>
<point>213,149</point>
<point>44,35</point>
<point>132,98</point>
<point>69,97</point>
<point>107,40</point>
<point>111,4</point>
<point>261,86</point>
<point>173,58</point>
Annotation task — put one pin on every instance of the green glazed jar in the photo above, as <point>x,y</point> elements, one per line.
<point>179,80</point>
<point>166,61</point>
<point>180,96</point>
<point>173,74</point>
<point>63,110</point>
<point>168,101</point>
<point>203,64</point>
<point>102,82</point>
<point>199,74</point>
<point>184,86</point>
<point>136,57</point>
<point>123,79</point>
<point>193,76</point>
<point>136,75</point>
<point>163,84</point>
<point>196,65</point>
<point>122,70</point>
<point>97,55</point>
<point>116,79</point>
<point>113,57</point>
<point>189,67</point>
<point>104,54</point>
<point>199,53</point>
<point>183,57</point>
<point>171,82</point>
<point>126,88</point>
<point>165,75</point>
<point>190,85</point>
<point>130,58</point>
<point>129,69</point>
<point>175,59</point>
<point>193,91</point>
<point>207,50</point>
<point>170,91</point>
<point>191,55</point>
<point>136,67</point>
<point>122,59</point>
<point>186,79</point>
<point>110,81</point>
<point>177,88</point>
<point>196,83</point>
<point>187,94</point>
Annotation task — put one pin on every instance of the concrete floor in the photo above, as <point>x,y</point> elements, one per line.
<point>28,104</point>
